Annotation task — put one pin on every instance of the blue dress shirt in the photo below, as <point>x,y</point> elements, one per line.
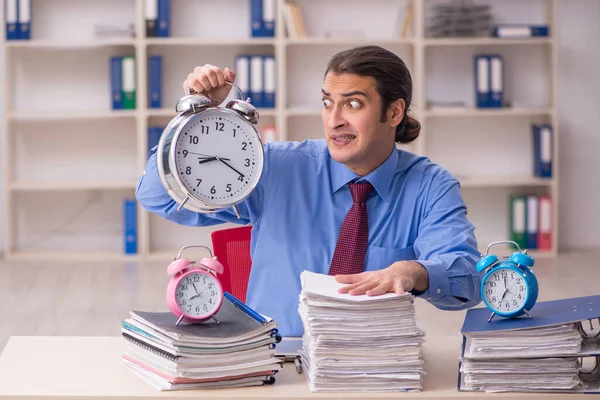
<point>416,212</point>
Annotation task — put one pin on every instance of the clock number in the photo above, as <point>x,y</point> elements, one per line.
<point>241,178</point>
<point>492,284</point>
<point>185,153</point>
<point>514,303</point>
<point>194,139</point>
<point>213,190</point>
<point>234,133</point>
<point>199,182</point>
<point>205,129</point>
<point>180,294</point>
<point>188,170</point>
<point>489,291</point>
<point>518,280</point>
<point>228,188</point>
<point>188,280</point>
<point>183,302</point>
<point>220,126</point>
<point>213,293</point>
<point>247,163</point>
<point>497,277</point>
<point>210,285</point>
<point>183,287</point>
<point>205,307</point>
<point>507,304</point>
<point>493,299</point>
<point>521,288</point>
<point>196,278</point>
<point>197,308</point>
<point>244,144</point>
<point>210,301</point>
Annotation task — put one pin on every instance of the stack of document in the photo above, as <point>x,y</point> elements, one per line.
<point>238,351</point>
<point>551,352</point>
<point>358,343</point>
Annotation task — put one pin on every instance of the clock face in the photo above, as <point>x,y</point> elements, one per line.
<point>198,294</point>
<point>219,157</point>
<point>505,290</point>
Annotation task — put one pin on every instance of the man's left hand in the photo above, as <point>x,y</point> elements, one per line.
<point>400,277</point>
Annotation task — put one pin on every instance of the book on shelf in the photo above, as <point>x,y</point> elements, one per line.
<point>155,81</point>
<point>530,224</point>
<point>293,20</point>
<point>542,150</point>
<point>256,78</point>
<point>17,19</point>
<point>489,80</point>
<point>237,351</point>
<point>123,82</point>
<point>262,18</point>
<point>546,353</point>
<point>520,31</point>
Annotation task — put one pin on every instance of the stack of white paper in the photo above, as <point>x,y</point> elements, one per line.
<point>358,343</point>
<point>523,359</point>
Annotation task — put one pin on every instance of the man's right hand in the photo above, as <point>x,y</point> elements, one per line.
<point>210,80</point>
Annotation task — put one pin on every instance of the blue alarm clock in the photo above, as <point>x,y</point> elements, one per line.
<point>509,288</point>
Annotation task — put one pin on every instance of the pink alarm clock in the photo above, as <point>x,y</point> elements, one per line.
<point>194,292</point>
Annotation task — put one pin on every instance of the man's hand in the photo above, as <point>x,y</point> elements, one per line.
<point>400,277</point>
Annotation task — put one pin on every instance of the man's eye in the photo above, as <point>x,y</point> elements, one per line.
<point>354,104</point>
<point>326,102</point>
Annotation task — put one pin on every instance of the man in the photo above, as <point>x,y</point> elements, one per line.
<point>351,205</point>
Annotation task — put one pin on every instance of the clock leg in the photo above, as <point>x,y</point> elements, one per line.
<point>179,320</point>
<point>527,312</point>
<point>491,316</point>
<point>237,212</point>
<point>216,320</point>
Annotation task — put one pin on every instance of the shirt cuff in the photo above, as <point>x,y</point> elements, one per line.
<point>439,284</point>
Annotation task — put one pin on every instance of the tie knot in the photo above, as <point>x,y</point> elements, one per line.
<point>360,191</point>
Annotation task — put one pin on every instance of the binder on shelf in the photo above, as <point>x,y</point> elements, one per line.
<point>257,81</point>
<point>520,31</point>
<point>546,218</point>
<point>268,18</point>
<point>482,81</point>
<point>532,222</point>
<point>116,83</point>
<point>154,81</point>
<point>130,226</point>
<point>518,220</point>
<point>256,18</point>
<point>242,70</point>
<point>542,150</point>
<point>24,17</point>
<point>496,81</point>
<point>151,12</point>
<point>154,133</point>
<point>129,82</point>
<point>11,19</point>
<point>164,16</point>
<point>269,71</point>
<point>561,330</point>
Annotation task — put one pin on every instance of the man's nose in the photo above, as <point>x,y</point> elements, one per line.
<point>336,119</point>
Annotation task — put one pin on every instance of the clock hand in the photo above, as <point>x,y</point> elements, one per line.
<point>226,163</point>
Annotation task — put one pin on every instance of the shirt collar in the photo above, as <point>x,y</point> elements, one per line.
<point>380,178</point>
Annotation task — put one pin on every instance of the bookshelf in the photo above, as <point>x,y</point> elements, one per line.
<point>65,150</point>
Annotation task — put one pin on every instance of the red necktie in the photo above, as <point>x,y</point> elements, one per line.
<point>351,248</point>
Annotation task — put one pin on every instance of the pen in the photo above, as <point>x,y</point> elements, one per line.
<point>298,365</point>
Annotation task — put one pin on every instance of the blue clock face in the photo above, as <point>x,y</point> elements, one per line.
<point>505,290</point>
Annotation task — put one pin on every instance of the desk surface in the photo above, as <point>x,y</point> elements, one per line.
<point>90,368</point>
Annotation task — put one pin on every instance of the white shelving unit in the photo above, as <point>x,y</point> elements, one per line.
<point>66,151</point>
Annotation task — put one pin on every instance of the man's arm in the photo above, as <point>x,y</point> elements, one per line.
<point>444,272</point>
<point>152,195</point>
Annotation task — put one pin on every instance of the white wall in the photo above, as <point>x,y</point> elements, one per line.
<point>578,122</point>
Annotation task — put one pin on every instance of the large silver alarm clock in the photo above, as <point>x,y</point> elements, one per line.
<point>210,157</point>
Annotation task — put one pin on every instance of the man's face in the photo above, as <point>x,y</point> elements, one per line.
<point>351,117</point>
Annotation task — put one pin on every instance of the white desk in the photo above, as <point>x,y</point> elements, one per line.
<point>90,368</point>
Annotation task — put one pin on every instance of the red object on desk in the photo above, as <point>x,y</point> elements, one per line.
<point>232,249</point>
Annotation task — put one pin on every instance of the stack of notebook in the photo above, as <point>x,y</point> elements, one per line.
<point>238,351</point>
<point>358,343</point>
<point>554,351</point>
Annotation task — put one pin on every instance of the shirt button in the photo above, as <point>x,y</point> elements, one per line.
<point>439,290</point>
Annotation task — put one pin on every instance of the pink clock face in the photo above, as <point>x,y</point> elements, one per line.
<point>198,294</point>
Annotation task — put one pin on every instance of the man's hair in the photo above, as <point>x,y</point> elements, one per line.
<point>392,81</point>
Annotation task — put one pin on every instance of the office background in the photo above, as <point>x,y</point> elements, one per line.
<point>72,160</point>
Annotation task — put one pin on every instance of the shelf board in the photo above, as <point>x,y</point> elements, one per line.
<point>502,181</point>
<point>194,41</point>
<point>168,112</point>
<point>486,41</point>
<point>60,115</point>
<point>75,44</point>
<point>303,112</point>
<point>347,41</point>
<point>31,186</point>
<point>486,112</point>
<point>67,255</point>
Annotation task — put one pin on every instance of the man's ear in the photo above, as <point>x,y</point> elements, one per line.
<point>396,112</point>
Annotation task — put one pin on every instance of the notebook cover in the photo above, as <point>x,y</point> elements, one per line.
<point>545,313</point>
